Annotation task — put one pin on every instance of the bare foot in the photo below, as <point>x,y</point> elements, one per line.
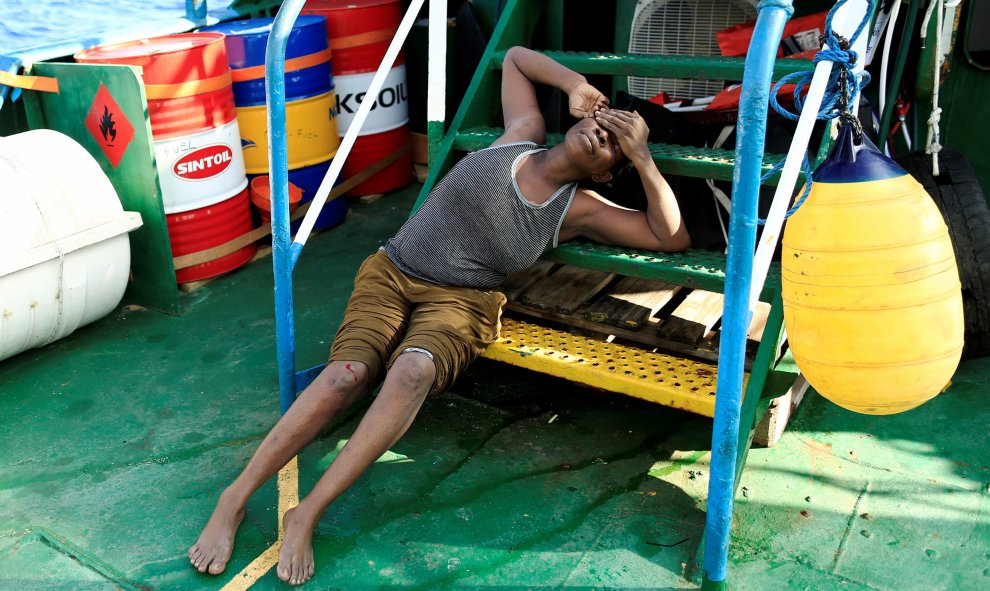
<point>212,550</point>
<point>295,558</point>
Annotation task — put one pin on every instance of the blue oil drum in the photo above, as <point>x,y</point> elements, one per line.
<point>311,118</point>
<point>307,49</point>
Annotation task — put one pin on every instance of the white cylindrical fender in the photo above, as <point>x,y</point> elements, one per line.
<point>64,252</point>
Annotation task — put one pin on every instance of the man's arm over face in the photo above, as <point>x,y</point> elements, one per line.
<point>522,69</point>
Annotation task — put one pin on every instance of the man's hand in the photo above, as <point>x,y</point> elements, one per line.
<point>584,99</point>
<point>630,131</point>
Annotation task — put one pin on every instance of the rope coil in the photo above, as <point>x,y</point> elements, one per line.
<point>844,85</point>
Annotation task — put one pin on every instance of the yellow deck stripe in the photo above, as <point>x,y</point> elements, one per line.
<point>288,491</point>
<point>254,571</point>
<point>288,497</point>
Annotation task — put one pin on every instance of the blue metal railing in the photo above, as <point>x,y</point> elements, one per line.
<point>196,10</point>
<point>279,173</point>
<point>285,253</point>
<point>751,138</point>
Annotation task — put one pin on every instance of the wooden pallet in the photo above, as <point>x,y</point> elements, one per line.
<point>646,313</point>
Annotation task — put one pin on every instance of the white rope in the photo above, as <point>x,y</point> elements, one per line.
<point>718,194</point>
<point>933,146</point>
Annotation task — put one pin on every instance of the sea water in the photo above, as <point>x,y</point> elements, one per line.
<point>31,24</point>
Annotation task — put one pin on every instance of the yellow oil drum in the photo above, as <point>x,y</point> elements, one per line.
<point>872,299</point>
<point>311,133</point>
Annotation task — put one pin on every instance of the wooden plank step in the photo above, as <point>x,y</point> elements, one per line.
<point>631,303</point>
<point>684,67</point>
<point>642,313</point>
<point>517,283</point>
<point>754,334</point>
<point>672,159</point>
<point>660,378</point>
<point>566,289</point>
<point>693,318</point>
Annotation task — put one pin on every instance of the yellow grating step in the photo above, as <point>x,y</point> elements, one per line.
<point>663,379</point>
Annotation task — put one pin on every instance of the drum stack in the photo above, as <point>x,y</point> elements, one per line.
<point>311,124</point>
<point>197,143</point>
<point>206,103</point>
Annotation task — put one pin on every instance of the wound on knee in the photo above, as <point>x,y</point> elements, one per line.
<point>352,372</point>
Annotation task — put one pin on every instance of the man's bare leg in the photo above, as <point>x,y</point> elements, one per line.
<point>388,418</point>
<point>338,386</point>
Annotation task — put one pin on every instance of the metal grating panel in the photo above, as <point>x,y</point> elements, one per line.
<point>710,163</point>
<point>663,379</point>
<point>682,27</point>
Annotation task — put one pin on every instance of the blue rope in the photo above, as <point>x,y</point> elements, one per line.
<point>838,96</point>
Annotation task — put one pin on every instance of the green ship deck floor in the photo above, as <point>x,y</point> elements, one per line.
<point>116,441</point>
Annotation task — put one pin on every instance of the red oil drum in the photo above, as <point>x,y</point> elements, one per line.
<point>197,140</point>
<point>206,227</point>
<point>359,33</point>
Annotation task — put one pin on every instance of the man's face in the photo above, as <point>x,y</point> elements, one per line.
<point>592,148</point>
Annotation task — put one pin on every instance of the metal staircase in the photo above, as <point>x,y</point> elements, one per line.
<point>738,399</point>
<point>659,377</point>
<point>471,130</point>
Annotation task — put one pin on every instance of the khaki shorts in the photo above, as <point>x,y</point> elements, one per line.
<point>390,312</point>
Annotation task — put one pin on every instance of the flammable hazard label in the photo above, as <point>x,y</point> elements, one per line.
<point>109,127</point>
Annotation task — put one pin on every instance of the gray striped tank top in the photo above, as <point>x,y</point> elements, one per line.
<point>476,227</point>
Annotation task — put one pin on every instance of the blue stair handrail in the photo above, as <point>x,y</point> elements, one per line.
<point>285,252</point>
<point>751,138</point>
<point>278,166</point>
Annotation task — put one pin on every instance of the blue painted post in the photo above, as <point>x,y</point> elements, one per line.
<point>278,166</point>
<point>196,10</point>
<point>750,140</point>
<point>11,65</point>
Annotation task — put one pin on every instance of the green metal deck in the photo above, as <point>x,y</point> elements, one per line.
<point>116,441</point>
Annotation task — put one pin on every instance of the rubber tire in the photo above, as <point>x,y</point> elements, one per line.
<point>956,191</point>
